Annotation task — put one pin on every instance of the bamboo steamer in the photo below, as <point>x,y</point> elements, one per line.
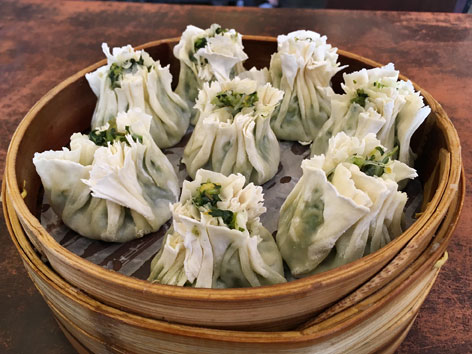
<point>378,323</point>
<point>60,113</point>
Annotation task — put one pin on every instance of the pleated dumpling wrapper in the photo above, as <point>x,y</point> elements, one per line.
<point>233,134</point>
<point>262,76</point>
<point>375,101</point>
<point>216,239</point>
<point>345,205</point>
<point>207,55</point>
<point>132,79</point>
<point>114,184</point>
<point>303,67</point>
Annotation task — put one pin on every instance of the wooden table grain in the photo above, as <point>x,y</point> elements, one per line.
<point>44,42</point>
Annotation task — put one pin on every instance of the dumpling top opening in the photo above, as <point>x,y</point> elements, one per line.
<point>218,200</point>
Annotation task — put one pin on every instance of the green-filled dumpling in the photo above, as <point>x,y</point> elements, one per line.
<point>302,67</point>
<point>214,54</point>
<point>114,184</point>
<point>345,205</point>
<point>375,101</point>
<point>233,134</point>
<point>132,79</point>
<point>216,239</point>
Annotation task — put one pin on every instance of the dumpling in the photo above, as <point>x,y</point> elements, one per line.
<point>132,79</point>
<point>262,76</point>
<point>315,215</point>
<point>345,205</point>
<point>233,134</point>
<point>114,184</point>
<point>207,55</point>
<point>375,101</point>
<point>302,67</point>
<point>216,239</point>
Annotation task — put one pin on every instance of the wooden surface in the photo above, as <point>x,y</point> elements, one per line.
<point>42,43</point>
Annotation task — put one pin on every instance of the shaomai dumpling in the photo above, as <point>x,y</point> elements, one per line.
<point>207,55</point>
<point>233,134</point>
<point>375,101</point>
<point>216,239</point>
<point>302,67</point>
<point>113,184</point>
<point>345,205</point>
<point>262,76</point>
<point>132,79</point>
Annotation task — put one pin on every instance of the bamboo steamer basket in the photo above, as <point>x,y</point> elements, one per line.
<point>378,323</point>
<point>60,113</point>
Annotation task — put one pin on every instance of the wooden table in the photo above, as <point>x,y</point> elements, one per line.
<point>42,43</point>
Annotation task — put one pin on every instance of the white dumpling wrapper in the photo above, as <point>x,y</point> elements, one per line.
<point>201,251</point>
<point>392,110</point>
<point>147,87</point>
<point>302,67</point>
<point>113,193</point>
<point>221,59</point>
<point>244,143</point>
<point>314,216</point>
<point>261,76</point>
<point>308,248</point>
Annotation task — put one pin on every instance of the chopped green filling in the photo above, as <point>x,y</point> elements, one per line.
<point>374,164</point>
<point>220,30</point>
<point>379,149</point>
<point>360,97</point>
<point>114,74</point>
<point>102,138</point>
<point>235,100</point>
<point>139,62</point>
<point>208,194</point>
<point>378,85</point>
<point>229,218</point>
<point>202,42</point>
<point>116,71</point>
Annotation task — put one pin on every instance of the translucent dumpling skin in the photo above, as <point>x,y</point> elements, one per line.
<point>345,205</point>
<point>132,79</point>
<point>114,184</point>
<point>233,134</point>
<point>375,101</point>
<point>302,67</point>
<point>216,239</point>
<point>214,54</point>
<point>313,217</point>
